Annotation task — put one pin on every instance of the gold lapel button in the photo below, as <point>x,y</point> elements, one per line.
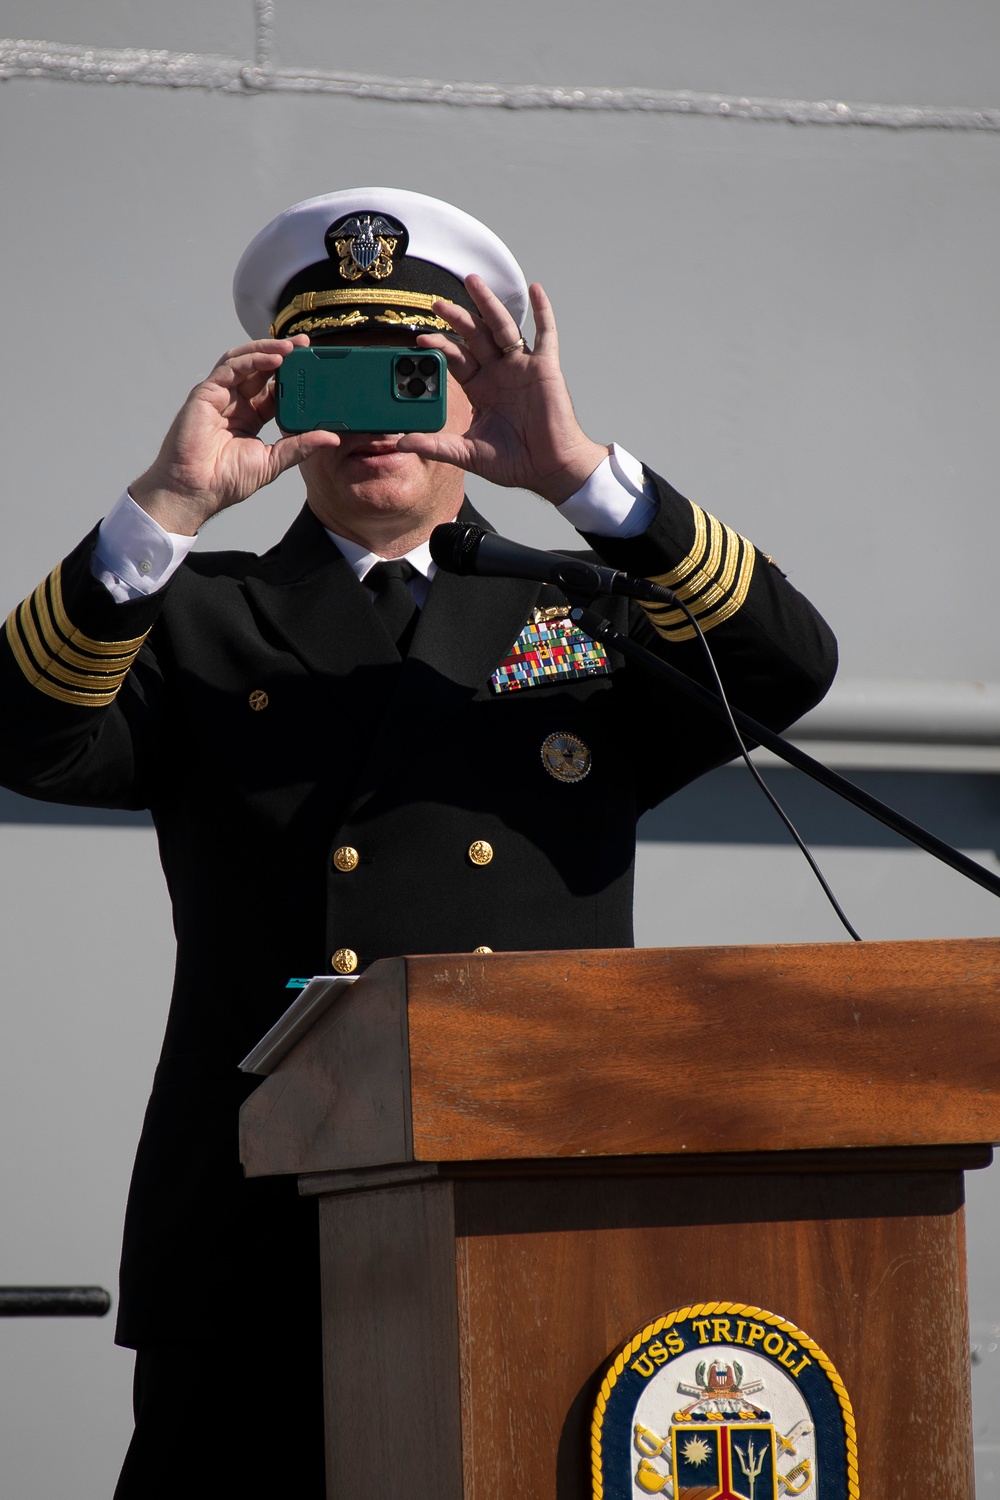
<point>480,852</point>
<point>258,700</point>
<point>346,859</point>
<point>483,949</point>
<point>566,757</point>
<point>344,961</point>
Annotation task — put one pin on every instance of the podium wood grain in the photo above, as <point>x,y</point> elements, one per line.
<point>620,1053</point>
<point>575,1270</point>
<point>521,1159</point>
<point>477,1316</point>
<point>814,1046</point>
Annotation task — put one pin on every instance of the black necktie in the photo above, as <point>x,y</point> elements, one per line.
<point>394,604</point>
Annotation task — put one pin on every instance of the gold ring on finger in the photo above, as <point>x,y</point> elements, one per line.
<point>513,348</point>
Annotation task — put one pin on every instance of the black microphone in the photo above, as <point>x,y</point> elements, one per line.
<point>466,549</point>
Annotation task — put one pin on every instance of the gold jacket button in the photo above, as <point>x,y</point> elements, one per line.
<point>258,699</point>
<point>344,961</point>
<point>480,852</point>
<point>346,859</point>
<point>483,949</point>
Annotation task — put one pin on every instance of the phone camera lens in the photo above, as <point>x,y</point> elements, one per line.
<point>406,366</point>
<point>427,366</point>
<point>416,386</point>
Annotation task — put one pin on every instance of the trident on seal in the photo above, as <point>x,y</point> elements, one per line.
<point>746,1456</point>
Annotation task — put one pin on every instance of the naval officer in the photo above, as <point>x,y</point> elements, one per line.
<point>348,755</point>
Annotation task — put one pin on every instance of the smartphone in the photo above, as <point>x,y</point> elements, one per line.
<point>361,390</point>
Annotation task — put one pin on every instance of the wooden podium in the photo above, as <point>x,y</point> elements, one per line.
<point>521,1159</point>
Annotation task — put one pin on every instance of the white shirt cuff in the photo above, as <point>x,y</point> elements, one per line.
<point>134,556</point>
<point>617,500</point>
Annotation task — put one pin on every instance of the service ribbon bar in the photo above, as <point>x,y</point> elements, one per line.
<point>549,651</point>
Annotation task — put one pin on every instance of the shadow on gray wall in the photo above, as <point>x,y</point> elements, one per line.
<point>725,807</point>
<point>15,809</point>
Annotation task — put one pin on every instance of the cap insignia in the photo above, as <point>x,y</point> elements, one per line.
<point>364,245</point>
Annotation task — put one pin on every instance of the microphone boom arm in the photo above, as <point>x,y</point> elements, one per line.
<point>462,548</point>
<point>602,630</point>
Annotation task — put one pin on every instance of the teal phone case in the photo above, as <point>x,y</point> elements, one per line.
<point>361,390</point>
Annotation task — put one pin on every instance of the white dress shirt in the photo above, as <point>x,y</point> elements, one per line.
<point>134,556</point>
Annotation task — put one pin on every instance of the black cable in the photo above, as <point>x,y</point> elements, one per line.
<point>706,648</point>
<point>604,630</point>
<point>601,629</point>
<point>459,549</point>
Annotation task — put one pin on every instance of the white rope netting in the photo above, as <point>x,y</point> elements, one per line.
<point>194,70</point>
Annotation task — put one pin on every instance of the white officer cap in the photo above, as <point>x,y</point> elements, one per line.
<point>375,256</point>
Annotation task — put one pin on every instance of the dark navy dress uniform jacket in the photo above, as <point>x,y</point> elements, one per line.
<point>148,705</point>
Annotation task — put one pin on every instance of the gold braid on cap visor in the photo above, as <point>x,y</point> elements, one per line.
<point>355,298</point>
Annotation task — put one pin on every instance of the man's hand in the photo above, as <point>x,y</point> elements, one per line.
<point>212,457</point>
<point>524,432</point>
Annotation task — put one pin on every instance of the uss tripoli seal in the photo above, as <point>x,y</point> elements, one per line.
<point>723,1401</point>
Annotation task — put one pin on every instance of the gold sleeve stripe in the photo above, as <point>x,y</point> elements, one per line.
<point>40,632</point>
<point>66,653</point>
<point>104,669</point>
<point>713,580</point>
<point>694,558</point>
<point>51,689</point>
<point>76,637</point>
<point>101,676</point>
